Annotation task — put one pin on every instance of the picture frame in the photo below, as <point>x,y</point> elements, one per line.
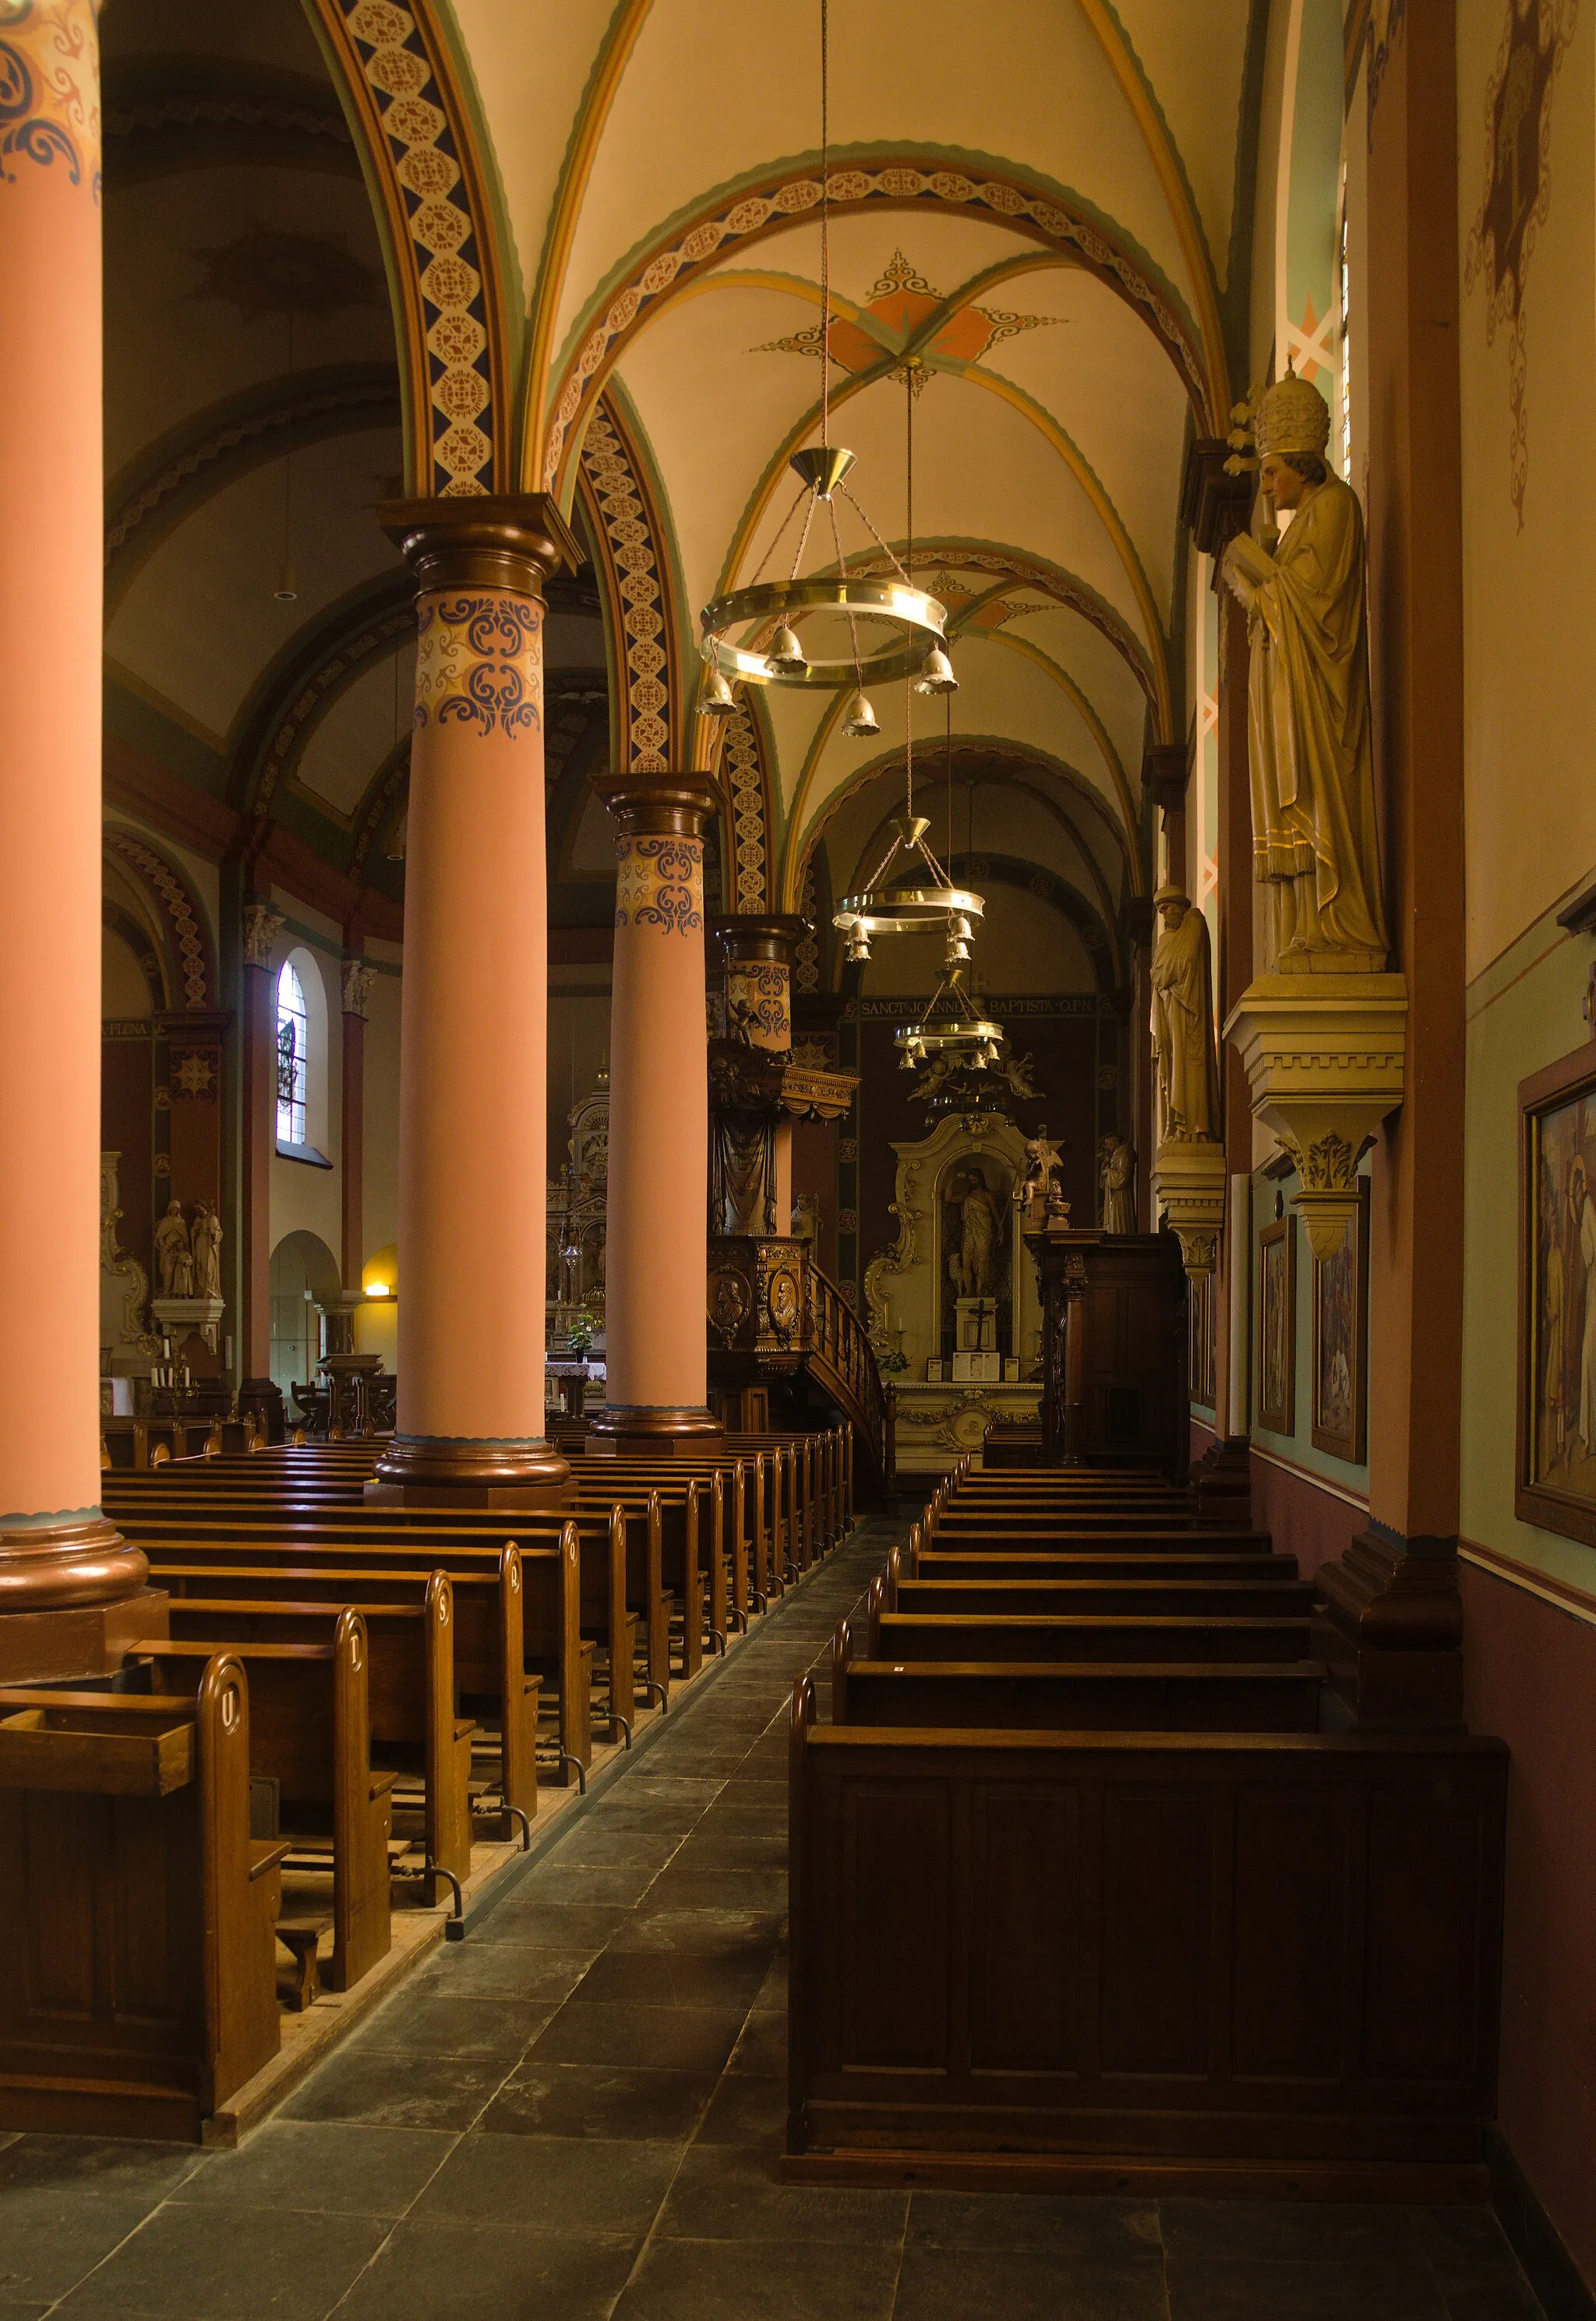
<point>1202,1350</point>
<point>1276,1385</point>
<point>1338,1373</point>
<point>1555,1477</point>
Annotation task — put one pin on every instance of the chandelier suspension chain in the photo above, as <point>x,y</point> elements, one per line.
<point>825,229</point>
<point>908,570</point>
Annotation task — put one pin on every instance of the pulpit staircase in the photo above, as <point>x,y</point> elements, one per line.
<point>781,1327</point>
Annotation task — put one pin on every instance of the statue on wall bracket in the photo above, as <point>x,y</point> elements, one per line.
<point>1188,1161</point>
<point>1321,1030</point>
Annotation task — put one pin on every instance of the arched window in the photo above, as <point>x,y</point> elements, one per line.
<point>293,1056</point>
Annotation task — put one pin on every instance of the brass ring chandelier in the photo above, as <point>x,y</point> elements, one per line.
<point>767,609</point>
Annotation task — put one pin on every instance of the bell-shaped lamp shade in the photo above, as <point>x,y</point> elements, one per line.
<point>718,700</point>
<point>861,721</point>
<point>785,655</point>
<point>936,676</point>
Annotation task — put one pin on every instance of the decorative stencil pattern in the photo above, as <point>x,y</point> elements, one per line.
<point>744,778</point>
<point>395,51</point>
<point>757,210</point>
<point>659,883</point>
<point>1517,194</point>
<point>479,662</point>
<point>50,89</point>
<point>632,542</point>
<point>806,957</point>
<point>180,906</point>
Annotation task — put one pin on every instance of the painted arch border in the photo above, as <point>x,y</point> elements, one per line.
<point>896,177</point>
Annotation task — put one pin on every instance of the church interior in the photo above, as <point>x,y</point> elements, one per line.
<point>798,1040</point>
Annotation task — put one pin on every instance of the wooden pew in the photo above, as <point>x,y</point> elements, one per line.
<point>558,1584</point>
<point>1083,1696</point>
<point>416,1730</point>
<point>490,1667</point>
<point>310,1732</point>
<point>138,1977</point>
<point>661,1553</point>
<point>1103,1636</point>
<point>1132,1562</point>
<point>1264,1964</point>
<point>1048,1596</point>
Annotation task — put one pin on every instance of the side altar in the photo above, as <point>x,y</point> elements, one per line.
<point>953,1310</point>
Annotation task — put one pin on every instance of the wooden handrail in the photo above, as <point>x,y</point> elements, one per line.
<point>843,1362</point>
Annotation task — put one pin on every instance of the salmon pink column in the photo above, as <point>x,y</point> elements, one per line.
<point>474,1012</point>
<point>658,1228</point>
<point>71,1590</point>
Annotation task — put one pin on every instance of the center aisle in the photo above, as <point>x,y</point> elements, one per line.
<point>613,2040</point>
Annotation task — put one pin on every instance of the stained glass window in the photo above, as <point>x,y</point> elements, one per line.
<point>292,1035</point>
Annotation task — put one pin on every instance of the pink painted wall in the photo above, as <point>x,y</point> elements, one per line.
<point>1313,1525</point>
<point>1529,1673</point>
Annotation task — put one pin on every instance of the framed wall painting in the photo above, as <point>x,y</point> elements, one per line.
<point>1200,1314</point>
<point>1277,1326</point>
<point>1556,1383</point>
<point>1341,1342</point>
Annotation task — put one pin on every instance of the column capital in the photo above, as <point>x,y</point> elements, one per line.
<point>357,986</point>
<point>751,935</point>
<point>261,924</point>
<point>658,805</point>
<point>508,541</point>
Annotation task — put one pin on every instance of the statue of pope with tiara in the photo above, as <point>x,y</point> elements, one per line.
<point>1315,836</point>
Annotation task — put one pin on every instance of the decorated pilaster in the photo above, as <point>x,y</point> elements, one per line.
<point>473,1015</point>
<point>72,1589</point>
<point>658,1209</point>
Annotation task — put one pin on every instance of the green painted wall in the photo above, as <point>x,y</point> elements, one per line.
<point>1524,1012</point>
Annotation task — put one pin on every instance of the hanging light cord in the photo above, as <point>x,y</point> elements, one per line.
<point>825,229</point>
<point>907,568</point>
<point>948,705</point>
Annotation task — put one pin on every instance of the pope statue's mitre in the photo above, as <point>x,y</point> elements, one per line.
<point>1292,417</point>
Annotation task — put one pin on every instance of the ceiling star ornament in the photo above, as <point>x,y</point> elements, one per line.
<point>901,303</point>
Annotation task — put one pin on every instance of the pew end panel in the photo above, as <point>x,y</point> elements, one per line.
<point>1241,1964</point>
<point>138,1980</point>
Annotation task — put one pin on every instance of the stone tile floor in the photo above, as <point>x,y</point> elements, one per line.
<point>575,2113</point>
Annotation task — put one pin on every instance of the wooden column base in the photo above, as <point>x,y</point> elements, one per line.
<point>445,1470</point>
<point>1390,1632</point>
<point>664,1430</point>
<point>1222,1482</point>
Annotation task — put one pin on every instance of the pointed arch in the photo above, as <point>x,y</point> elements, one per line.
<point>633,550</point>
<point>189,970</point>
<point>429,189</point>
<point>770,203</point>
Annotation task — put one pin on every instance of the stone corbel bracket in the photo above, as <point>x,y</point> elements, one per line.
<point>1189,1189</point>
<point>1324,1058</point>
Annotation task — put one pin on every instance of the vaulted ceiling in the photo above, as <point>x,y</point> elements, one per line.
<point>577,245</point>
